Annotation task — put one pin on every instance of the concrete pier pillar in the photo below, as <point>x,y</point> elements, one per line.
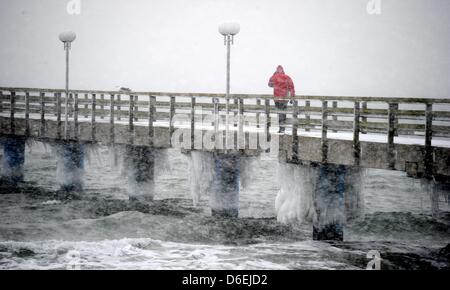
<point>434,189</point>
<point>70,166</point>
<point>224,196</point>
<point>329,203</point>
<point>139,164</point>
<point>354,195</point>
<point>13,158</point>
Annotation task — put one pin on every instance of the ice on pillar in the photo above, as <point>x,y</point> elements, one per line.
<point>354,195</point>
<point>139,165</point>
<point>70,166</point>
<point>329,203</point>
<point>224,196</point>
<point>294,202</point>
<point>13,158</point>
<point>432,188</point>
<point>201,174</point>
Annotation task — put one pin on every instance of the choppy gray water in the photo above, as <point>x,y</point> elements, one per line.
<point>101,229</point>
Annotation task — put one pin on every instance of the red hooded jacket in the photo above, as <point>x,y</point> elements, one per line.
<point>281,84</point>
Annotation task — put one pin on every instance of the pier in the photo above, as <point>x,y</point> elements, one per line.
<point>334,136</point>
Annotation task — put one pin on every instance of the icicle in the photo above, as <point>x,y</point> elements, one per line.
<point>294,202</point>
<point>430,187</point>
<point>248,169</point>
<point>162,162</point>
<point>201,169</point>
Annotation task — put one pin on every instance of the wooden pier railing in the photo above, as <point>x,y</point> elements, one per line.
<point>392,116</point>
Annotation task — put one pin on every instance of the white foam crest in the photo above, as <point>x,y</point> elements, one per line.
<point>143,253</point>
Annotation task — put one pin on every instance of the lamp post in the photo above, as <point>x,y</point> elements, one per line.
<point>67,38</point>
<point>228,30</point>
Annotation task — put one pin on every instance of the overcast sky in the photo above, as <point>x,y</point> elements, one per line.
<point>328,47</point>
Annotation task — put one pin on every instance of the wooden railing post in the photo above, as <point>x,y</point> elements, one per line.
<point>294,131</point>
<point>55,104</point>
<point>131,119</point>
<point>1,101</point>
<point>428,162</point>
<point>324,140</point>
<point>258,107</point>
<point>12,107</point>
<point>86,106</point>
<point>75,117</point>
<point>119,108</point>
<point>66,115</point>
<point>171,116</point>
<point>307,115</point>
<point>42,103</point>
<point>192,123</point>
<point>396,121</point>
<point>215,102</point>
<point>58,115</point>
<point>236,102</point>
<point>364,118</point>
<point>131,113</point>
<point>267,113</point>
<point>111,119</point>
<point>241,137</point>
<point>136,108</point>
<point>151,118</point>
<point>392,115</point>
<point>356,131</point>
<point>93,111</point>
<point>102,106</point>
<point>27,113</point>
<point>227,117</point>
<point>335,118</point>
<point>71,104</point>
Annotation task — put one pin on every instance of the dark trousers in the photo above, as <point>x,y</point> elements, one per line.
<point>281,105</point>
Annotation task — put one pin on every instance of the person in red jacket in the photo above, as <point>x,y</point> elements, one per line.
<point>283,88</point>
